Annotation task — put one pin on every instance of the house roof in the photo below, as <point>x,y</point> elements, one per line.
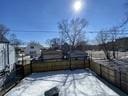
<point>77,53</point>
<point>3,39</point>
<point>35,44</point>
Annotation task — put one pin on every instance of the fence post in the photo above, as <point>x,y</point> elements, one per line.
<point>70,63</point>
<point>23,64</point>
<point>84,62</point>
<point>22,59</point>
<point>31,66</point>
<point>120,78</point>
<point>23,71</point>
<point>115,74</point>
<point>89,61</point>
<point>100,70</point>
<point>108,74</point>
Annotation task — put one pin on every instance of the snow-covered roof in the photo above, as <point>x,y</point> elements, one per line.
<point>77,53</point>
<point>35,44</point>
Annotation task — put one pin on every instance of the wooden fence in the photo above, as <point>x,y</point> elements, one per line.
<point>54,65</point>
<point>117,78</point>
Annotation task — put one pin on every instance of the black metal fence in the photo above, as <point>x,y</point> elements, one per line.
<point>10,79</point>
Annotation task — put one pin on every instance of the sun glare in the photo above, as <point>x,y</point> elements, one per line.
<point>77,5</point>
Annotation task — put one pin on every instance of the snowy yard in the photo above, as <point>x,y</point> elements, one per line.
<point>101,55</point>
<point>70,83</point>
<point>121,63</point>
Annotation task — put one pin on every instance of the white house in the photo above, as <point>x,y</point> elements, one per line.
<point>33,49</point>
<point>7,55</point>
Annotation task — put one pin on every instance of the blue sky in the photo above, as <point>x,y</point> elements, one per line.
<point>45,14</point>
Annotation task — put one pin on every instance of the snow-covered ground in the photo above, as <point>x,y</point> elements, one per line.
<point>121,63</point>
<point>101,55</point>
<point>70,83</point>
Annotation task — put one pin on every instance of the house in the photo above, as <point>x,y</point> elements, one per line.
<point>52,54</point>
<point>33,49</point>
<point>22,58</point>
<point>78,54</point>
<point>7,55</point>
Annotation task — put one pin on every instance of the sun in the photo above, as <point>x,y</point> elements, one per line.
<point>77,5</point>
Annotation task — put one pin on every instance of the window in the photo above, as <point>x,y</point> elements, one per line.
<point>32,53</point>
<point>32,47</point>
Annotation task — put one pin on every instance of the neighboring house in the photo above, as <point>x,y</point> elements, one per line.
<point>52,54</point>
<point>78,54</point>
<point>7,55</point>
<point>22,58</point>
<point>26,59</point>
<point>33,49</point>
<point>21,49</point>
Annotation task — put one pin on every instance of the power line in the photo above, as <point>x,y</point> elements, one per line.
<point>47,31</point>
<point>33,31</point>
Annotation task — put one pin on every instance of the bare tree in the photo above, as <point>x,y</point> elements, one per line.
<point>48,43</point>
<point>114,35</point>
<point>14,40</point>
<point>55,43</point>
<point>3,30</point>
<point>103,38</point>
<point>72,31</point>
<point>81,45</point>
<point>107,39</point>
